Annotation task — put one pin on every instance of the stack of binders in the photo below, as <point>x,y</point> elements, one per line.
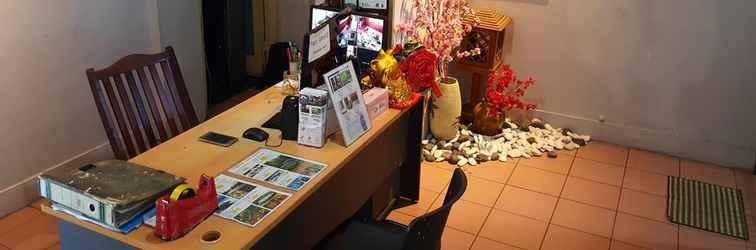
<point>114,194</point>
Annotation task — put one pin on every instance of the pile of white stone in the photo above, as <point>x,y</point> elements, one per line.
<point>532,140</point>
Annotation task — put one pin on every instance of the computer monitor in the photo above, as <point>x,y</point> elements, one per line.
<point>360,35</point>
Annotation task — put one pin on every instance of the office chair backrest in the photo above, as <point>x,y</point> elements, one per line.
<point>425,231</point>
<point>142,97</point>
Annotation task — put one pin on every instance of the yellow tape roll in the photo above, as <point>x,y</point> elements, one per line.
<point>179,191</point>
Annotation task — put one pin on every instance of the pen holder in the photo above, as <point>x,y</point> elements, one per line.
<point>175,218</point>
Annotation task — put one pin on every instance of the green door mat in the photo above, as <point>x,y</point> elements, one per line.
<point>707,206</point>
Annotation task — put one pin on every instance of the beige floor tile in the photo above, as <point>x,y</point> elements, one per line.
<point>465,216</point>
<point>400,218</point>
<point>441,165</point>
<point>597,171</point>
<point>560,165</point>
<point>560,238</point>
<point>434,179</point>
<point>427,198</point>
<point>486,244</point>
<point>694,239</point>
<point>644,232</point>
<point>39,233</point>
<point>4,248</point>
<point>644,205</point>
<point>18,218</point>
<point>582,217</point>
<point>537,180</point>
<point>654,162</point>
<point>453,239</point>
<point>481,191</point>
<point>514,230</point>
<point>594,193</point>
<point>54,247</point>
<point>707,173</point>
<point>645,181</point>
<point>493,171</point>
<point>604,152</point>
<point>526,203</point>
<point>618,245</point>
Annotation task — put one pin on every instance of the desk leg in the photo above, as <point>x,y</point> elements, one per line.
<point>75,237</point>
<point>409,177</point>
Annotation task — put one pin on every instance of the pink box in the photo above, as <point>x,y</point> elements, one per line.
<point>376,100</point>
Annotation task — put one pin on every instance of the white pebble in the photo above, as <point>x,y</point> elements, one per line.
<point>462,162</point>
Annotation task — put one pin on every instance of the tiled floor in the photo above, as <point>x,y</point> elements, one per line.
<point>601,197</point>
<point>29,228</point>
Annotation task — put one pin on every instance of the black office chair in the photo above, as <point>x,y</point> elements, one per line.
<point>423,233</point>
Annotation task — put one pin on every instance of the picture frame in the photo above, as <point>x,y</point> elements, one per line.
<point>349,104</point>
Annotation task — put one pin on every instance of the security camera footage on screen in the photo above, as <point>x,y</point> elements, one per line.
<point>359,36</point>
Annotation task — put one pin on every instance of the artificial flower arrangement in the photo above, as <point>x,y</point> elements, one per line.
<point>439,27</point>
<point>434,35</point>
<point>503,93</point>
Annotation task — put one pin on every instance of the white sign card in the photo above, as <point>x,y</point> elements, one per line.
<point>320,43</point>
<point>348,102</point>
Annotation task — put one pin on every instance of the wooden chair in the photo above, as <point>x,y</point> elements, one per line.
<point>142,101</point>
<point>423,233</point>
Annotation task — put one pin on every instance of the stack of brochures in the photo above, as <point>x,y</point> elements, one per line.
<point>113,194</point>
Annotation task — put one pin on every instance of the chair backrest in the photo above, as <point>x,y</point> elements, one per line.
<point>142,101</point>
<point>425,231</point>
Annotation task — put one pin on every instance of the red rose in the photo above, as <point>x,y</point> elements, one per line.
<point>420,67</point>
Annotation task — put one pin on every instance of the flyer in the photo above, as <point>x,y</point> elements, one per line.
<point>320,44</point>
<point>245,202</point>
<point>278,169</point>
<point>348,102</point>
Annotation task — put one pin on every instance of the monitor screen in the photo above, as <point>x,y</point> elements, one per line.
<point>358,36</point>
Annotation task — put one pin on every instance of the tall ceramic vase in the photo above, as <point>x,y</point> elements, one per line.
<point>446,110</point>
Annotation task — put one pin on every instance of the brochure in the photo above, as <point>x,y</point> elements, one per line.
<point>245,202</point>
<point>278,169</point>
<point>348,102</point>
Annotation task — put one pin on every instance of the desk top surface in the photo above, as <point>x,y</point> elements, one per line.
<point>185,156</point>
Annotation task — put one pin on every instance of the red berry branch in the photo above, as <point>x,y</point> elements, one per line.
<point>504,90</point>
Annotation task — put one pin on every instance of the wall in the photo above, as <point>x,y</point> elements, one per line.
<point>47,112</point>
<point>181,27</point>
<point>293,18</point>
<point>49,119</point>
<point>675,76</point>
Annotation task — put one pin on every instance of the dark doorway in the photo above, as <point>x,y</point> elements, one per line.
<point>227,28</point>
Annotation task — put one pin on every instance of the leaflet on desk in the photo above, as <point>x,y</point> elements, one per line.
<point>279,169</point>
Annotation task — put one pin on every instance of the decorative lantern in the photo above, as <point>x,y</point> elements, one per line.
<point>488,35</point>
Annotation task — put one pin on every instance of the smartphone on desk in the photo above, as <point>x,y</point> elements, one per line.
<point>218,139</point>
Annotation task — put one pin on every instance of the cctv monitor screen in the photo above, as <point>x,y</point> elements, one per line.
<point>360,35</point>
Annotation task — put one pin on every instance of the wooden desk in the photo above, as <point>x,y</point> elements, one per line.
<point>354,173</point>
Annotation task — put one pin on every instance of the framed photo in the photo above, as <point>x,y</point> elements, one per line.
<point>344,91</point>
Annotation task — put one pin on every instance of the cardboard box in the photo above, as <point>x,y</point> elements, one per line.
<point>376,100</point>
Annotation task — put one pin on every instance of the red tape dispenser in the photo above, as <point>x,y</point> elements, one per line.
<point>182,210</point>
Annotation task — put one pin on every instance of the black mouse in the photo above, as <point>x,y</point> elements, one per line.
<point>255,134</point>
